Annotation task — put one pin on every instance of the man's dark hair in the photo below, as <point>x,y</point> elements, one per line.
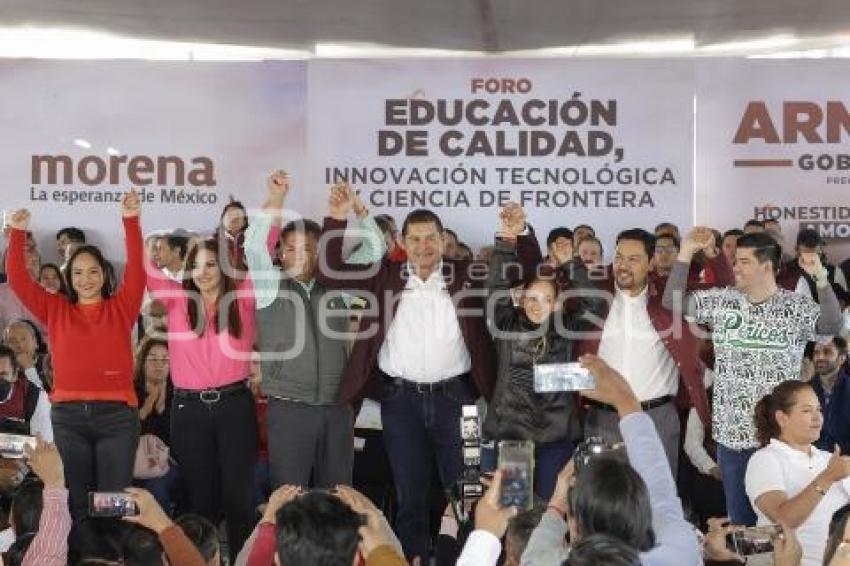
<point>666,227</point>
<point>602,549</point>
<point>809,238</point>
<point>141,547</point>
<point>669,236</point>
<point>639,235</point>
<point>178,242</point>
<point>609,497</point>
<point>737,232</point>
<point>754,222</point>
<point>72,233</point>
<point>451,233</point>
<point>586,226</point>
<point>840,345</point>
<point>519,530</point>
<point>303,226</point>
<point>317,529</point>
<point>764,247</point>
<point>7,352</point>
<point>201,532</point>
<point>27,504</point>
<point>559,232</point>
<point>421,216</point>
<point>383,224</point>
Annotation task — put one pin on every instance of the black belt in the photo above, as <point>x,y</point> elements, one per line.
<point>645,405</point>
<point>212,395</point>
<point>430,388</point>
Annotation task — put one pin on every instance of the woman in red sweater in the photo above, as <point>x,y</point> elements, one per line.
<point>95,416</point>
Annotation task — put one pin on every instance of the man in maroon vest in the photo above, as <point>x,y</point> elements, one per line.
<point>641,339</point>
<point>422,347</point>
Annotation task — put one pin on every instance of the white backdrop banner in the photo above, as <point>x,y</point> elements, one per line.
<point>599,142</point>
<point>772,142</point>
<point>77,134</point>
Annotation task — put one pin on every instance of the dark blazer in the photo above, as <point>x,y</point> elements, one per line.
<point>836,413</point>
<point>382,285</point>
<point>684,349</point>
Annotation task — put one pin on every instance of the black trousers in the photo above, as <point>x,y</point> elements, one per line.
<point>215,444</point>
<point>97,441</point>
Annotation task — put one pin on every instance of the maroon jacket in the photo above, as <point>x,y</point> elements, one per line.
<point>383,284</point>
<point>683,349</point>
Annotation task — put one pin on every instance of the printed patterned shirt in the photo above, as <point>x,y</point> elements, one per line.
<point>756,347</point>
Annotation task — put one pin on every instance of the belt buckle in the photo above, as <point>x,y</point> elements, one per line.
<point>423,387</point>
<point>210,396</point>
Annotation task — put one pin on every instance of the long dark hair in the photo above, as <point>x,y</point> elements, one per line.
<point>782,398</point>
<point>233,321</point>
<point>232,204</point>
<point>610,497</point>
<point>142,352</point>
<point>108,273</point>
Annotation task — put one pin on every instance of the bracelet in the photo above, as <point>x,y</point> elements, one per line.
<point>820,490</point>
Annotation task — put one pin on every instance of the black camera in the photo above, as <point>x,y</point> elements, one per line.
<point>470,434</point>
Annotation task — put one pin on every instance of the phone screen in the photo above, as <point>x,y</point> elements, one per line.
<point>516,461</point>
<point>112,504</point>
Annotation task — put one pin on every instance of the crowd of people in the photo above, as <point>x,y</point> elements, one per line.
<point>290,392</point>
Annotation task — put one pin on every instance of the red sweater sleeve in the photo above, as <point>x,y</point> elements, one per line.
<point>179,548</point>
<point>31,294</point>
<point>132,289</point>
<point>265,545</point>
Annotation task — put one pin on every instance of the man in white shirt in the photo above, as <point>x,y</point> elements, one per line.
<point>423,347</point>
<point>172,250</point>
<point>640,340</point>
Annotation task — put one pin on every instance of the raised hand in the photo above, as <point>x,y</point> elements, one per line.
<point>811,264</point>
<point>151,515</point>
<point>279,497</point>
<point>20,219</point>
<point>699,238</point>
<point>279,183</point>
<point>45,461</point>
<point>513,218</point>
<point>340,201</point>
<point>131,205</point>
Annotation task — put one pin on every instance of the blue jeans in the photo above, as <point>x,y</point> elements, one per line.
<point>418,429</point>
<point>549,460</point>
<point>733,468</point>
<point>162,488</point>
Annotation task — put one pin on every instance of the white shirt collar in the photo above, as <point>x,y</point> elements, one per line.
<point>640,298</point>
<point>434,280</point>
<point>790,452</point>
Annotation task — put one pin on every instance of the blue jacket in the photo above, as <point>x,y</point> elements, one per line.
<point>836,413</point>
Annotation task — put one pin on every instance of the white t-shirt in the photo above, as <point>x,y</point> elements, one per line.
<point>778,467</point>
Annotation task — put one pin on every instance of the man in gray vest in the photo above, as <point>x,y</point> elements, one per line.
<point>302,340</point>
